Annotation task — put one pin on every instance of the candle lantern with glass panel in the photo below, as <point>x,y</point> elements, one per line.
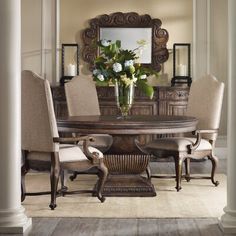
<point>70,61</point>
<point>181,64</point>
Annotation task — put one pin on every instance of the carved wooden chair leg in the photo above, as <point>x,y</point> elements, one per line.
<point>72,177</point>
<point>187,169</point>
<point>148,172</point>
<point>62,178</point>
<point>24,171</point>
<point>54,177</point>
<point>214,161</point>
<point>23,190</point>
<point>176,160</point>
<point>103,172</point>
<point>178,168</point>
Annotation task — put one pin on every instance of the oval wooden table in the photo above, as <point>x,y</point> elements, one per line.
<point>126,158</point>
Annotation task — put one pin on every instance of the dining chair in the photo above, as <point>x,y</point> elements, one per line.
<point>82,100</point>
<point>41,144</point>
<point>205,102</point>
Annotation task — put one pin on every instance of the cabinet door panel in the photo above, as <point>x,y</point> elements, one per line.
<point>172,100</point>
<point>108,108</point>
<point>176,109</point>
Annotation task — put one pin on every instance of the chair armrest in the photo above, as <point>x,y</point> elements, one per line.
<point>205,131</point>
<point>73,139</point>
<point>92,156</point>
<point>198,133</point>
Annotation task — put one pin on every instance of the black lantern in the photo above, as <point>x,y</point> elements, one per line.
<point>181,64</point>
<point>70,61</point>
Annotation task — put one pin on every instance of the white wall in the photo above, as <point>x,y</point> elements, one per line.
<point>39,37</point>
<point>176,17</point>
<point>31,26</point>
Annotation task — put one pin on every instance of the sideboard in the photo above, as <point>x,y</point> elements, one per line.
<point>167,100</point>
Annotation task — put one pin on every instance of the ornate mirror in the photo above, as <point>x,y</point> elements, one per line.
<point>127,27</point>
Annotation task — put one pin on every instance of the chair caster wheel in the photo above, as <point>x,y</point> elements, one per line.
<point>216,183</point>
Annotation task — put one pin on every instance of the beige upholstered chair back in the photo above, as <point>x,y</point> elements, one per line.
<point>205,102</point>
<point>38,118</point>
<point>81,96</point>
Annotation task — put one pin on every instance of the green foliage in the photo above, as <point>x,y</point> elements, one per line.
<point>147,89</point>
<point>116,64</point>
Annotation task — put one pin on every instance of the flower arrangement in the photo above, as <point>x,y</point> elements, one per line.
<point>115,64</point>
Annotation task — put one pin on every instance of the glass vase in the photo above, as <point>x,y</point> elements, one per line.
<point>124,97</point>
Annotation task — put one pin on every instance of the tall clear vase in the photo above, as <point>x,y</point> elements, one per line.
<point>124,97</point>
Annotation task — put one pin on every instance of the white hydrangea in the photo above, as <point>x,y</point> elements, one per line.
<point>96,72</point>
<point>143,76</point>
<point>100,77</point>
<point>128,63</point>
<point>105,43</point>
<point>117,67</point>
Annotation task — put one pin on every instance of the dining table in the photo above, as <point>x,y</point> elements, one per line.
<point>126,159</point>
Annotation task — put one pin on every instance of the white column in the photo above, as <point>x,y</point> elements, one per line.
<point>12,216</point>
<point>228,220</point>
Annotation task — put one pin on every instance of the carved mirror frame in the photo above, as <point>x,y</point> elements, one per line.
<point>160,36</point>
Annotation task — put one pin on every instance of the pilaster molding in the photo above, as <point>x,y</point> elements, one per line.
<point>43,34</point>
<point>201,38</point>
<point>57,42</point>
<point>47,63</point>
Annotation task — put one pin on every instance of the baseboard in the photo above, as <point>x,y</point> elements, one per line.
<point>221,147</point>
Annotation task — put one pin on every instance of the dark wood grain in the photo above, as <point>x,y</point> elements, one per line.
<point>125,132</point>
<point>129,125</point>
<point>125,158</point>
<point>166,101</point>
<point>172,100</point>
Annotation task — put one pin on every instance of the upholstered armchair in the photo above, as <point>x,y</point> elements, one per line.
<point>41,144</point>
<point>82,100</point>
<point>205,102</point>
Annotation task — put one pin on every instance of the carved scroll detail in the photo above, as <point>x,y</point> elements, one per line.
<point>131,19</point>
